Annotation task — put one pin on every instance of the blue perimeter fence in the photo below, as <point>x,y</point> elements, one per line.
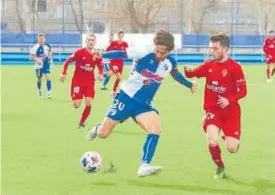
<point>74,40</point>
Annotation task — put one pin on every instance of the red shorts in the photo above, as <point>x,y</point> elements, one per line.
<point>270,60</point>
<point>80,90</point>
<point>228,120</point>
<point>116,68</point>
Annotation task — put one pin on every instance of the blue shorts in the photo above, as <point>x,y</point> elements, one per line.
<point>106,66</point>
<point>124,107</point>
<point>39,72</point>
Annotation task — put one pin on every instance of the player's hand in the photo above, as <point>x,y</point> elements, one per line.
<point>269,56</point>
<point>62,78</point>
<point>193,88</point>
<point>39,62</point>
<point>223,102</point>
<point>187,68</point>
<point>97,55</point>
<point>100,77</point>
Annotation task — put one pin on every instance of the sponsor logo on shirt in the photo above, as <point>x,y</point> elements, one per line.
<point>214,87</point>
<point>87,67</point>
<point>155,77</point>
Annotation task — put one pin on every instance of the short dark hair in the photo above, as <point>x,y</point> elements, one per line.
<point>120,32</point>
<point>40,35</point>
<point>222,38</point>
<point>111,34</point>
<point>271,31</point>
<point>165,38</point>
<point>92,35</point>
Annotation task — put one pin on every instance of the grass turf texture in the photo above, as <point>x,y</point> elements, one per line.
<point>41,145</point>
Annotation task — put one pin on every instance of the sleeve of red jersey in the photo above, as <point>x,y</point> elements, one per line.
<point>72,58</point>
<point>100,66</point>
<point>266,47</point>
<point>200,71</point>
<point>240,84</point>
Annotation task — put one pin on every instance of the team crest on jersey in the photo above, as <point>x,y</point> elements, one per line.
<point>147,82</point>
<point>224,72</point>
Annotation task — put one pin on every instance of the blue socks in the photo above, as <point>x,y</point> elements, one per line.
<point>106,80</point>
<point>39,85</point>
<point>149,148</point>
<point>49,85</point>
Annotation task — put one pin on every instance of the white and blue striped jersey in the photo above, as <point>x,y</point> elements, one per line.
<point>146,77</point>
<point>41,52</point>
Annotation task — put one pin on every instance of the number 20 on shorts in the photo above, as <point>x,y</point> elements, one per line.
<point>118,105</point>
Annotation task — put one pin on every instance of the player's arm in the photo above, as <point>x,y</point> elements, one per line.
<point>200,71</point>
<point>265,46</point>
<point>100,69</point>
<point>33,55</point>
<point>50,53</point>
<point>240,84</point>
<point>72,58</point>
<point>177,76</point>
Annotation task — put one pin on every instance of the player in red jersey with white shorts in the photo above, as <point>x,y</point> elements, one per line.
<point>269,50</point>
<point>116,65</point>
<point>225,86</point>
<point>83,81</point>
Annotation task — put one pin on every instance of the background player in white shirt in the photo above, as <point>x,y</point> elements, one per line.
<point>41,54</point>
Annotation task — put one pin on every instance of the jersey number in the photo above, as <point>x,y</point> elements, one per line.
<point>118,105</point>
<point>115,68</point>
<point>76,89</point>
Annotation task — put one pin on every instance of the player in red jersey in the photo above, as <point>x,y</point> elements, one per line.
<point>269,50</point>
<point>116,65</point>
<point>225,86</point>
<point>83,81</point>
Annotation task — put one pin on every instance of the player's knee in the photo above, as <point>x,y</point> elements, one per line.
<point>76,105</point>
<point>232,148</point>
<point>212,142</point>
<point>118,76</point>
<point>154,129</point>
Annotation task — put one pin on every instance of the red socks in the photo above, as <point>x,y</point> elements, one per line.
<point>86,112</point>
<point>216,155</point>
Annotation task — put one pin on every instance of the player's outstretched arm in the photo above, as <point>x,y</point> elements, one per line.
<point>72,58</point>
<point>100,70</point>
<point>200,71</point>
<point>177,76</point>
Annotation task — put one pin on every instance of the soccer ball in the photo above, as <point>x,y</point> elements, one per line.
<point>91,161</point>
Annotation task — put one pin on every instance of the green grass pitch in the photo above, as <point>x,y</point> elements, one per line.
<point>41,145</point>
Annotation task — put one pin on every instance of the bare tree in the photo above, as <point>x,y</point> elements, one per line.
<point>78,24</point>
<point>21,20</point>
<point>265,10</point>
<point>195,12</point>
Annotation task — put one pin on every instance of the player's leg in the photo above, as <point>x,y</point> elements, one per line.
<point>232,129</point>
<point>39,75</point>
<point>107,75</point>
<point>149,120</point>
<point>117,113</point>
<point>268,67</point>
<point>49,84</point>
<point>212,127</point>
<point>118,73</point>
<point>272,69</point>
<point>76,94</point>
<point>89,93</point>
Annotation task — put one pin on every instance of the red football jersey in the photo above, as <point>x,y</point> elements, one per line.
<point>115,45</point>
<point>222,79</point>
<point>85,63</point>
<point>269,46</point>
